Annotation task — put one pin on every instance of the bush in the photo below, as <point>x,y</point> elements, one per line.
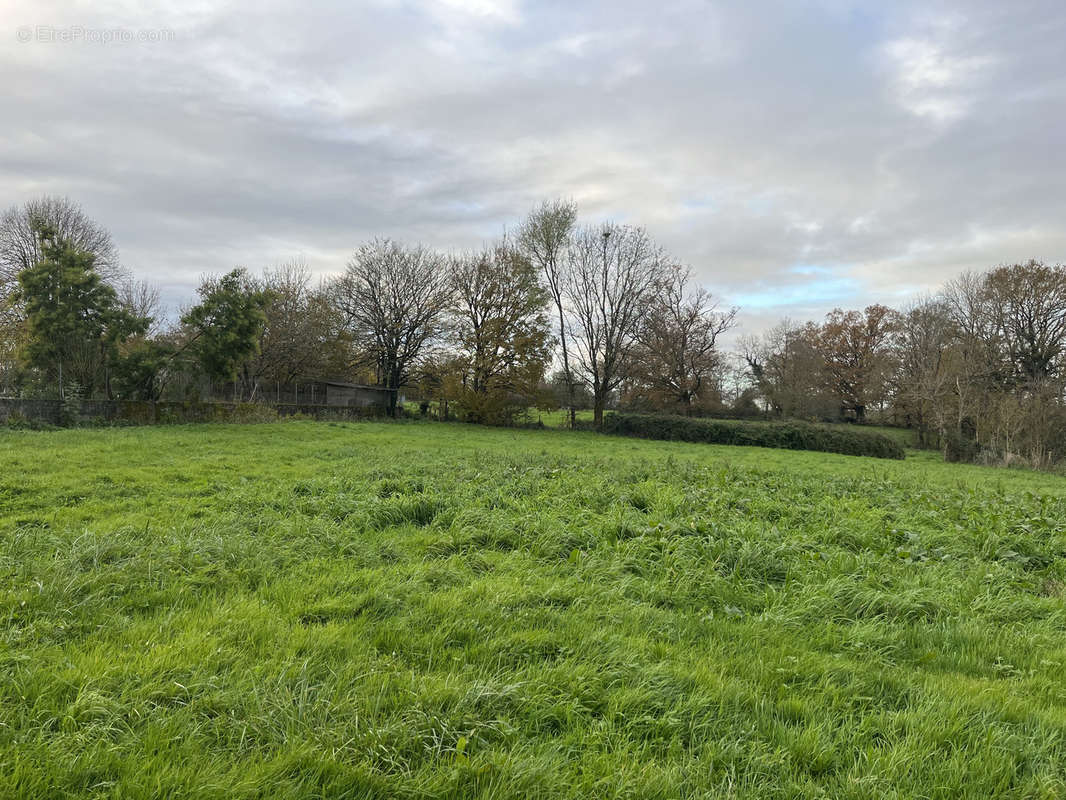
<point>783,435</point>
<point>70,407</point>
<point>17,421</point>
<point>245,413</point>
<point>960,448</point>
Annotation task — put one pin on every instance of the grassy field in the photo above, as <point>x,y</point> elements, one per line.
<point>433,610</point>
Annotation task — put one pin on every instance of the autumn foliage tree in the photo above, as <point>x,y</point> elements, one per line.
<point>500,329</point>
<point>857,356</point>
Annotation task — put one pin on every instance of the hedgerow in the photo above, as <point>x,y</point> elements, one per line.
<point>782,435</point>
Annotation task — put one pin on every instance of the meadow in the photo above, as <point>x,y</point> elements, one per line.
<point>421,610</point>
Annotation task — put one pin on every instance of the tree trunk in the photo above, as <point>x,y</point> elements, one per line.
<point>107,374</point>
<point>597,412</point>
<point>567,375</point>
<point>394,393</point>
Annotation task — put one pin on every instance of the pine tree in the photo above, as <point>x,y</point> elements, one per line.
<point>67,304</point>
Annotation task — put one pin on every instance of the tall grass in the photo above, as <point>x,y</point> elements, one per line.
<point>376,610</point>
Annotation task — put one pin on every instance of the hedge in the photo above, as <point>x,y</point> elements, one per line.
<point>784,435</point>
<point>25,412</point>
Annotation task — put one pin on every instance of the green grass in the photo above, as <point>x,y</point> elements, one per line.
<point>560,417</point>
<point>428,610</point>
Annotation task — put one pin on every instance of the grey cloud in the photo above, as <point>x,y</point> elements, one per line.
<point>891,145</point>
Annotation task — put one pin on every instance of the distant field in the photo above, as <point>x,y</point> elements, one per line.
<point>437,610</point>
<point>559,417</point>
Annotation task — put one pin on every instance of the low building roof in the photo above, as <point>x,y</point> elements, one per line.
<point>348,385</point>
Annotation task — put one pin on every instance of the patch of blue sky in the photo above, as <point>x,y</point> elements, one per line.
<point>761,203</point>
<point>819,292</point>
<point>705,203</point>
<point>472,208</point>
<point>810,269</point>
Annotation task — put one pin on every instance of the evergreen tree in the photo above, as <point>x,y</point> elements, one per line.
<point>227,323</point>
<point>68,306</point>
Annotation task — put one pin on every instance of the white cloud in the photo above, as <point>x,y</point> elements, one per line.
<point>496,11</point>
<point>931,81</point>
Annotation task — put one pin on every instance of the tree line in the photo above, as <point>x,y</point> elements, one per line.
<point>476,334</point>
<point>977,369</point>
<point>556,313</point>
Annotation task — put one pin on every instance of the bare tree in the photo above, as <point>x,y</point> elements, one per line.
<point>788,371</point>
<point>1028,305</point>
<point>677,343</point>
<point>980,366</point>
<point>300,337</point>
<point>1012,339</point>
<point>141,299</point>
<point>544,238</point>
<point>394,299</point>
<point>21,249</point>
<point>612,273</point>
<point>925,364</point>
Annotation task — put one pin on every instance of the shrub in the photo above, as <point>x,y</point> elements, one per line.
<point>960,448</point>
<point>70,406</point>
<point>248,413</point>
<point>17,421</point>
<point>784,435</point>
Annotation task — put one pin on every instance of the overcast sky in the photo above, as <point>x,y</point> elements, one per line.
<point>799,155</point>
